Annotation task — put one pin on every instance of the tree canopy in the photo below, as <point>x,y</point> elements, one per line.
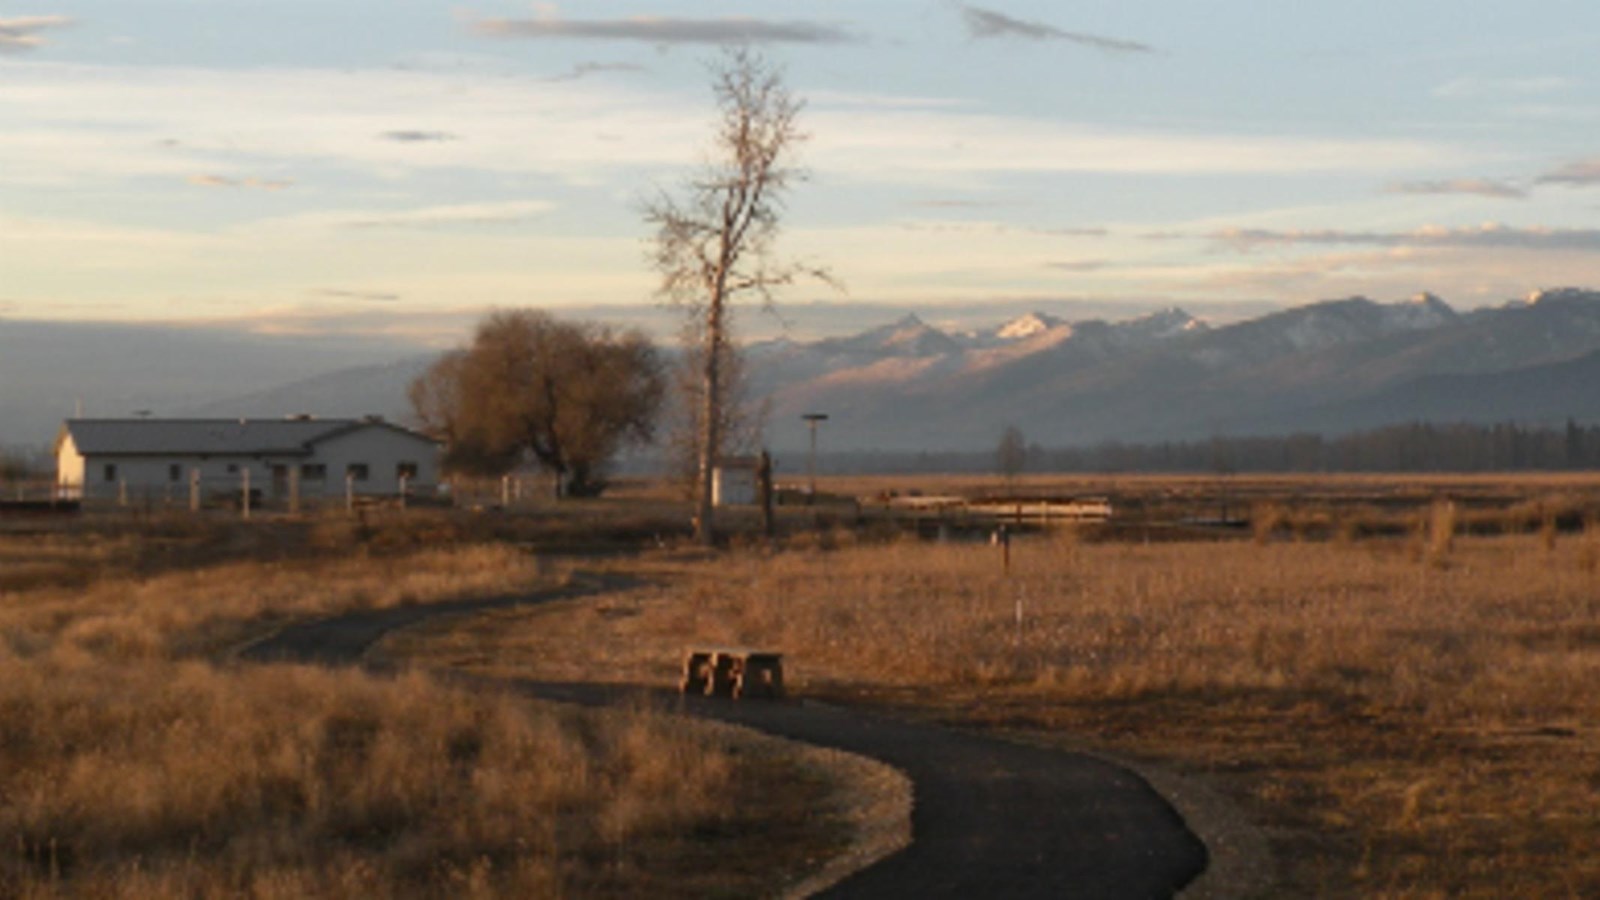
<point>569,395</point>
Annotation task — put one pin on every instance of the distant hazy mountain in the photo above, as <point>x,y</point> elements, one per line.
<point>906,386</point>
<point>49,370</point>
<point>365,390</point>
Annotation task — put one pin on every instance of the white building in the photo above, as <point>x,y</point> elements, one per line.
<point>158,459</point>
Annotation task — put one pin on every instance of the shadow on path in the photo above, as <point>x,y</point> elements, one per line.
<point>990,817</point>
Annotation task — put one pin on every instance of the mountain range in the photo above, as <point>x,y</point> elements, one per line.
<point>1329,367</point>
<point>908,386</point>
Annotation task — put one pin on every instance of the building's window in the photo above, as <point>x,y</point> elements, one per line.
<point>356,471</point>
<point>111,471</point>
<point>314,472</point>
<point>406,470</point>
<point>233,468</point>
<point>174,472</point>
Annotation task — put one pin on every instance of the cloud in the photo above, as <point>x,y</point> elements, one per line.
<point>661,30</point>
<point>983,23</point>
<point>1578,174</point>
<point>237,122</point>
<point>1483,187</point>
<point>440,216</point>
<point>20,34</point>
<point>1492,235</point>
<point>365,296</point>
<point>585,69</point>
<point>222,181</point>
<point>418,137</point>
<point>1080,265</point>
<point>952,226</point>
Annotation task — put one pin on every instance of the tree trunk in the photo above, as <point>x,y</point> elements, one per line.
<point>705,531</point>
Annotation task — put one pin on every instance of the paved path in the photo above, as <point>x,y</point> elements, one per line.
<point>991,817</point>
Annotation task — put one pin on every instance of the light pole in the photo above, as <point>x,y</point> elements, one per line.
<point>811,463</point>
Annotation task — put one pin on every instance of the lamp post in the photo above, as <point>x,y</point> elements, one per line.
<point>811,462</point>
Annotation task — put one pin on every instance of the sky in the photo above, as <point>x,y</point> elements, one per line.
<point>397,167</point>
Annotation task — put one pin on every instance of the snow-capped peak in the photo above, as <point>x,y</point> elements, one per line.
<point>1422,311</point>
<point>1561,294</point>
<point>1026,326</point>
<point>1165,323</point>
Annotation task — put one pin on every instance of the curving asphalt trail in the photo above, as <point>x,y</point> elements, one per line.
<point>990,816</point>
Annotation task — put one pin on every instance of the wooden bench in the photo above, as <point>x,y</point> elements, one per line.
<point>732,672</point>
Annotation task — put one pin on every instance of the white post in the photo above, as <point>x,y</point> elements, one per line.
<point>244,488</point>
<point>349,491</point>
<point>505,491</point>
<point>194,490</point>
<point>405,485</point>
<point>294,489</point>
<point>122,492</point>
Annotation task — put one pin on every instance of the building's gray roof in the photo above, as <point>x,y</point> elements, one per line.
<point>207,437</point>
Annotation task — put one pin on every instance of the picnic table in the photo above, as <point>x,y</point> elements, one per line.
<point>736,672</point>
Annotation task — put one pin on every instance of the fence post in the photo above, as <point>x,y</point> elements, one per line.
<point>505,491</point>
<point>294,489</point>
<point>194,490</point>
<point>349,491</point>
<point>244,487</point>
<point>405,485</point>
<point>122,492</point>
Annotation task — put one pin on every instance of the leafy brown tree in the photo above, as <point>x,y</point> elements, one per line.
<point>714,245</point>
<point>570,395</point>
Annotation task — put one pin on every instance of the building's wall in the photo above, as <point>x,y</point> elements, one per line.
<point>69,469</point>
<point>166,479</point>
<point>382,450</point>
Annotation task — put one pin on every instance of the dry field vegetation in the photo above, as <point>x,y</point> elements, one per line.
<point>1408,716</point>
<point>136,761</point>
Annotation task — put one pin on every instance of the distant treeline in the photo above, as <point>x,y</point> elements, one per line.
<point>1415,447</point>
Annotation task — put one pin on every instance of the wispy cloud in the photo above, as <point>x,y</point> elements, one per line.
<point>364,296</point>
<point>1577,174</point>
<point>464,214</point>
<point>1483,187</point>
<point>21,33</point>
<point>418,137</point>
<point>1492,235</point>
<point>223,181</point>
<point>663,30</point>
<point>1080,265</point>
<point>985,23</point>
<point>585,69</point>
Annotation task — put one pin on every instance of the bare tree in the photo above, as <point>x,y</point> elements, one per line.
<point>714,244</point>
<point>569,394</point>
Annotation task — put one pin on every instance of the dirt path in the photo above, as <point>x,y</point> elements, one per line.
<point>991,816</point>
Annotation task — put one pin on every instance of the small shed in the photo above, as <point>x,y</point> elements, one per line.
<point>737,481</point>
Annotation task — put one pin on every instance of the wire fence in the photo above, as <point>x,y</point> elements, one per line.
<point>237,493</point>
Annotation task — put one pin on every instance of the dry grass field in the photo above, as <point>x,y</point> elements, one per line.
<point>133,764</point>
<point>1405,716</point>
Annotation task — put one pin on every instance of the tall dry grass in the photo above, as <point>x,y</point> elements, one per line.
<point>1408,724</point>
<point>166,780</point>
<point>132,766</point>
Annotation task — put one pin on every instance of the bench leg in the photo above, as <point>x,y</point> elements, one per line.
<point>760,680</point>
<point>696,674</point>
<point>724,675</point>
